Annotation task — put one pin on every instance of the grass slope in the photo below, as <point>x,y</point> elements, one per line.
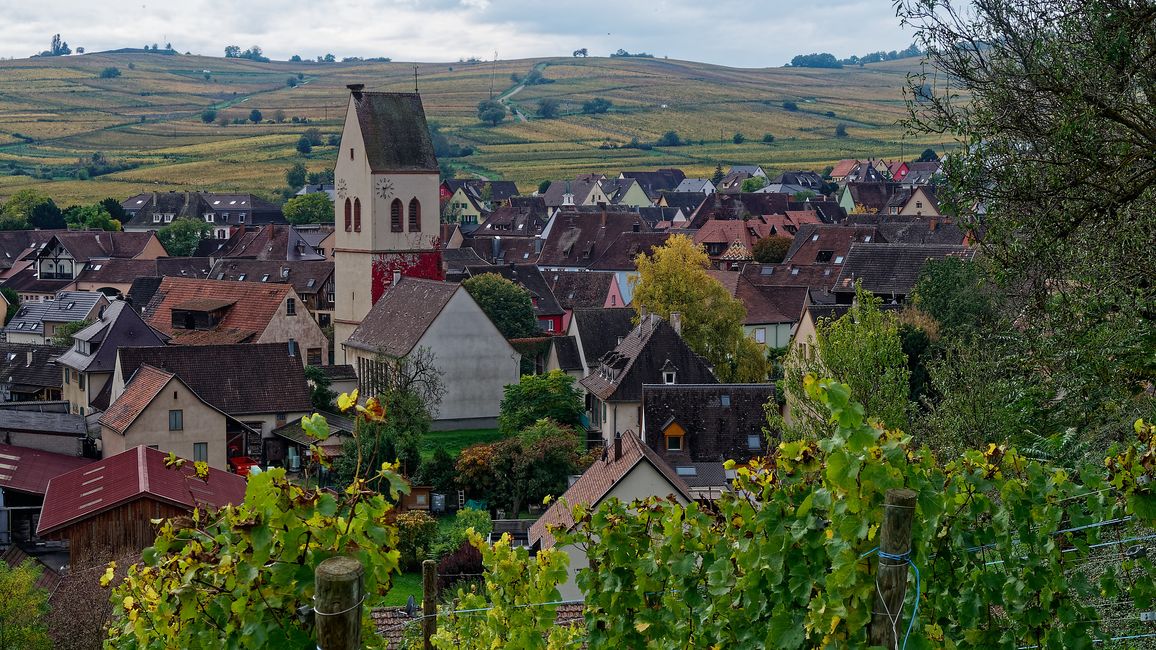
<point>56,110</point>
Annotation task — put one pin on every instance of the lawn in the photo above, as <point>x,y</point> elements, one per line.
<point>455,441</point>
<point>404,586</point>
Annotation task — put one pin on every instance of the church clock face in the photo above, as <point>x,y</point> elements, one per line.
<point>342,188</point>
<point>384,188</point>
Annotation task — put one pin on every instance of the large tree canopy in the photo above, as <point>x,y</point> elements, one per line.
<point>674,280</point>
<point>508,305</point>
<point>1052,104</point>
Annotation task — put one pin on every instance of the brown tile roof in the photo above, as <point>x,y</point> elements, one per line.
<point>600,330</point>
<point>740,205</point>
<point>728,279</point>
<point>579,289</point>
<point>597,481</point>
<point>641,358</point>
<point>124,271</point>
<point>622,254</point>
<point>872,196</point>
<point>578,239</point>
<point>254,305</point>
<point>566,347</point>
<point>146,383</point>
<point>394,129</point>
<point>401,316</point>
<point>529,278</point>
<point>815,276</point>
<point>812,239</point>
<point>236,379</point>
<point>770,304</point>
<point>85,245</point>
<point>139,472</point>
<point>717,419</point>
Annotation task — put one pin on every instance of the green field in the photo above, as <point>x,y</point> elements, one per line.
<point>54,111</point>
<point>455,441</point>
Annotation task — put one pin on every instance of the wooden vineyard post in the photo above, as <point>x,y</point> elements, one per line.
<point>891,578</point>
<point>337,606</point>
<point>429,602</point>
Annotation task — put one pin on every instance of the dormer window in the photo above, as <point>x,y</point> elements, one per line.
<point>210,217</point>
<point>824,256</point>
<point>157,218</point>
<point>668,377</point>
<point>168,218</point>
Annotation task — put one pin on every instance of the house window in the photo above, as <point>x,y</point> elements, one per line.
<point>760,335</point>
<point>824,256</point>
<point>156,218</point>
<point>919,204</point>
<point>291,306</point>
<point>80,380</point>
<point>754,441</point>
<point>351,153</point>
<point>668,377</point>
<point>313,356</point>
<point>348,215</point>
<point>613,300</point>
<point>356,215</point>
<point>168,218</point>
<point>674,443</point>
<point>67,376</point>
<point>176,420</point>
<point>200,452</point>
<point>414,215</point>
<point>210,218</point>
<point>293,349</point>
<point>395,216</point>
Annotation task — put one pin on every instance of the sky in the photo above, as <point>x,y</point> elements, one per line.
<point>758,33</point>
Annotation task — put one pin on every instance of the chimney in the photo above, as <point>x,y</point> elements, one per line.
<point>933,224</point>
<point>28,362</point>
<point>495,249</point>
<point>603,216</point>
<point>396,278</point>
<point>355,88</point>
<point>636,227</point>
<point>676,322</point>
<point>617,446</point>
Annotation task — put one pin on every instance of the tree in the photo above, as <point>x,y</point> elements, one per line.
<point>507,304</point>
<point>581,53</point>
<point>543,186</point>
<point>321,392</point>
<point>790,106</point>
<point>596,105</point>
<point>279,116</point>
<point>768,138</point>
<point>524,468</point>
<point>552,395</point>
<point>323,177</point>
<point>438,472</point>
<point>861,349</point>
<point>928,155</point>
<point>314,207</point>
<point>23,608</point>
<point>223,120</point>
<point>840,130</point>
<point>34,208</point>
<point>772,250</point>
<point>254,116</point>
<point>396,438</point>
<point>90,217</point>
<point>304,146</point>
<point>958,294</point>
<point>548,108</point>
<point>669,139</point>
<point>181,237</point>
<point>738,138</point>
<point>64,333</point>
<point>209,115</point>
<point>754,183</point>
<point>232,51</point>
<point>718,174</point>
<point>13,299</point>
<point>57,48</point>
<point>1064,251</point>
<point>295,176</point>
<point>110,73</point>
<point>492,111</point>
<point>291,82</point>
<point>674,279</point>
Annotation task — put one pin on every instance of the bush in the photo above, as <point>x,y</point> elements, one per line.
<point>768,138</point>
<point>304,146</point>
<point>548,107</point>
<point>438,472</point>
<point>291,82</point>
<point>109,73</point>
<point>790,106</point>
<point>209,115</point>
<point>255,116</point>
<point>457,533</point>
<point>739,138</point>
<point>841,131</point>
<point>416,533</point>
<point>596,105</point>
<point>669,139</point>
<point>465,561</point>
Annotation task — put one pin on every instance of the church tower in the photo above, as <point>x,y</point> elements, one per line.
<point>386,209</point>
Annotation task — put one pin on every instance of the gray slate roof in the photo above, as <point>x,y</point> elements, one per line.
<point>401,316</point>
<point>15,367</point>
<point>119,326</point>
<point>69,307</point>
<point>891,269</point>
<point>394,129</point>
<point>65,424</point>
<point>642,357</point>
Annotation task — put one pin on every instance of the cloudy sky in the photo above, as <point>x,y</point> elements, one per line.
<point>747,33</point>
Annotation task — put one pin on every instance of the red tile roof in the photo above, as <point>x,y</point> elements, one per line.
<point>127,476</point>
<point>29,470</point>
<point>597,481</point>
<point>254,306</point>
<point>138,393</point>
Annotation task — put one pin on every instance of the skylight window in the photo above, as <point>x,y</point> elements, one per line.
<point>686,471</point>
<point>139,201</point>
<point>767,270</point>
<point>724,400</point>
<point>265,278</point>
<point>839,259</point>
<point>217,202</point>
<point>310,283</point>
<point>241,278</point>
<point>867,238</point>
<point>232,203</point>
<point>815,237</point>
<point>794,271</point>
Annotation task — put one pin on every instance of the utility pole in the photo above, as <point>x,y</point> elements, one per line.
<point>415,78</point>
<point>493,74</point>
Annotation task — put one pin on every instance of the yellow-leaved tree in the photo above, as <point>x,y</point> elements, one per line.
<point>674,279</point>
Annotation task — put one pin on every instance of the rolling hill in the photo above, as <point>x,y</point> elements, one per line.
<point>57,112</point>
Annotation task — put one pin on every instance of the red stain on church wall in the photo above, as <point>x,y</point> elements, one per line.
<point>426,265</point>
